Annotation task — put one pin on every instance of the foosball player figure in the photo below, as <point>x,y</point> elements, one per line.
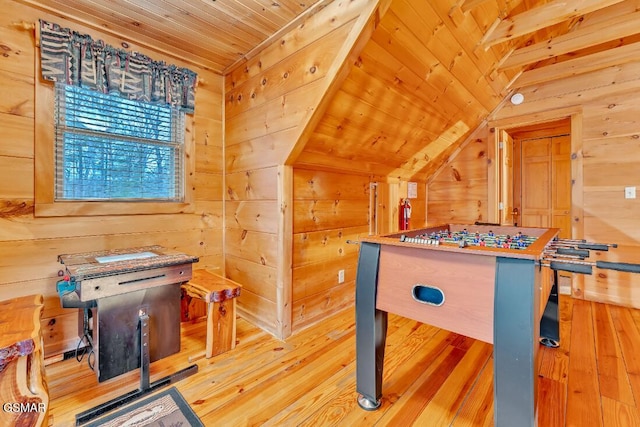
<point>506,245</point>
<point>482,242</point>
<point>490,234</point>
<point>476,238</point>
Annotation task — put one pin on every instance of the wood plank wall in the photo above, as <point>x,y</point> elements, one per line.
<point>268,100</point>
<point>328,209</point>
<point>29,245</point>
<point>606,103</point>
<point>458,193</point>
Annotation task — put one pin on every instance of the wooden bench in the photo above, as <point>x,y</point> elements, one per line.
<point>219,294</point>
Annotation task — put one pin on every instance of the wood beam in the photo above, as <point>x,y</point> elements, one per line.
<point>431,151</point>
<point>544,16</point>
<point>585,64</point>
<point>584,37</point>
<point>284,278</point>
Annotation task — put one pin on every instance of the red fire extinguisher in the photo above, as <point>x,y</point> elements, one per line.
<point>405,214</point>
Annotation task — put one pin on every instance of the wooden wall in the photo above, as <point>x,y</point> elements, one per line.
<point>458,193</point>
<point>29,245</point>
<point>605,160</point>
<point>269,102</point>
<point>328,209</point>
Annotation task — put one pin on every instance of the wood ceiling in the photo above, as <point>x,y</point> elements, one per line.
<point>433,71</point>
<point>430,74</point>
<point>214,34</point>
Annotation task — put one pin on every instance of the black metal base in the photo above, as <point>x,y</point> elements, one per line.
<point>103,408</point>
<point>145,387</point>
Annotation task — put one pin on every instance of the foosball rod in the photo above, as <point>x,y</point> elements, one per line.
<point>572,252</point>
<point>582,244</point>
<point>585,267</point>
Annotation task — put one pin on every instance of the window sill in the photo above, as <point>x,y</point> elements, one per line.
<point>110,208</point>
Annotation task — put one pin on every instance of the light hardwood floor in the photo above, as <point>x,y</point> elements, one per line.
<point>431,377</point>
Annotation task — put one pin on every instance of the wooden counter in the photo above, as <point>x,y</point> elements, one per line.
<point>23,388</point>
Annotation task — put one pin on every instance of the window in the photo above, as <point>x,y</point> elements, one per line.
<point>109,148</point>
<point>114,137</point>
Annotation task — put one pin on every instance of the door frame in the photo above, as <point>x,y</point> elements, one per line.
<point>497,167</point>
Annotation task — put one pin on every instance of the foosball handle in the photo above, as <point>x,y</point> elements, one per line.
<point>571,268</point>
<point>583,253</point>
<point>596,246</point>
<point>619,266</point>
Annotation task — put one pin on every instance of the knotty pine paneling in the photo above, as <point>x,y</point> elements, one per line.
<point>257,184</point>
<point>269,100</point>
<point>253,246</point>
<point>17,178</point>
<point>29,245</point>
<point>318,278</point>
<point>253,215</point>
<point>258,299</point>
<point>18,94</point>
<point>17,46</point>
<point>263,152</point>
<point>208,186</point>
<point>333,16</point>
<point>608,102</point>
<point>314,245</point>
<point>274,115</point>
<point>316,307</point>
<point>312,215</point>
<point>16,132</point>
<point>259,89</point>
<point>329,209</point>
<point>458,193</point>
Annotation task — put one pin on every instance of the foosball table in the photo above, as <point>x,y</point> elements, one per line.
<point>487,282</point>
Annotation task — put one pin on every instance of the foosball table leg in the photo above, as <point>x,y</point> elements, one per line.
<point>549,324</point>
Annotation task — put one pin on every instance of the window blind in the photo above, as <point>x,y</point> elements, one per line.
<point>112,148</point>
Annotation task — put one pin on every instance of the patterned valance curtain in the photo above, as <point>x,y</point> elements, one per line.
<point>75,59</point>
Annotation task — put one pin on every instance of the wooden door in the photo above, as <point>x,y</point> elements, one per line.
<point>536,183</point>
<point>545,180</point>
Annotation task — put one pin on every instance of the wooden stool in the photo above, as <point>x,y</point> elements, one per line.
<point>219,294</point>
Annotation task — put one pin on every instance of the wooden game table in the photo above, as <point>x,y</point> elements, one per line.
<point>491,294</point>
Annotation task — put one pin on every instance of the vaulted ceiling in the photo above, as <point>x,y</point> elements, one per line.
<point>429,75</point>
<point>434,71</point>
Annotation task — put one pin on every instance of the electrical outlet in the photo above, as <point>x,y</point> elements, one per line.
<point>629,192</point>
<point>340,276</point>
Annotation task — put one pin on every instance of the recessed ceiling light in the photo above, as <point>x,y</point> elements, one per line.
<point>517,98</point>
